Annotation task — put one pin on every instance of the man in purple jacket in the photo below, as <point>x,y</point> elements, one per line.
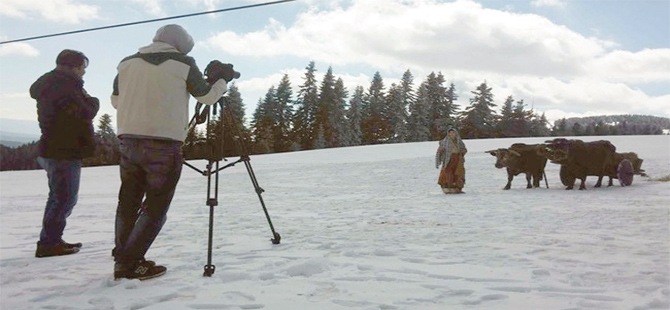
<point>65,113</point>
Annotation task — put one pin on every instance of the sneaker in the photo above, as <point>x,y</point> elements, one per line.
<point>150,262</point>
<point>56,250</point>
<point>141,270</point>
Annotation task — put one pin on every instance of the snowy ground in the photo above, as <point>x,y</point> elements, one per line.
<point>362,228</point>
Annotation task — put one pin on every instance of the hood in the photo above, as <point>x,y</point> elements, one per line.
<point>158,52</point>
<point>175,36</point>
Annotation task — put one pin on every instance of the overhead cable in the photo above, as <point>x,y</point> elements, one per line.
<point>147,21</point>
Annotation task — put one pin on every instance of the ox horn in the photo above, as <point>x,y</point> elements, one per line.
<point>514,152</point>
<point>491,151</point>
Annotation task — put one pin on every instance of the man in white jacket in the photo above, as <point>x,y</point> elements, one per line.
<point>151,94</point>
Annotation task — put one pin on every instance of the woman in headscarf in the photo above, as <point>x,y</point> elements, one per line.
<point>450,154</point>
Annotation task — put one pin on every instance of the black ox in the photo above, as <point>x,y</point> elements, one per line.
<point>521,158</point>
<point>579,159</point>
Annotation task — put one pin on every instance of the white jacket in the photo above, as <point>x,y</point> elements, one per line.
<point>152,91</point>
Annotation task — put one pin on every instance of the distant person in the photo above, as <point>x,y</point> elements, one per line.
<point>450,155</point>
<point>65,112</point>
<point>151,95</point>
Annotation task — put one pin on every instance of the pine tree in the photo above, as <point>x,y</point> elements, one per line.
<point>194,138</point>
<point>439,116</point>
<point>479,117</point>
<point>398,114</point>
<point>236,105</point>
<point>451,114</point>
<point>520,121</point>
<point>325,109</point>
<point>338,120</point>
<point>418,123</point>
<point>105,129</point>
<point>354,117</point>
<point>504,126</point>
<point>234,130</point>
<point>540,126</point>
<point>401,123</point>
<point>306,102</point>
<point>107,144</point>
<point>282,116</point>
<point>375,124</point>
<point>262,123</point>
<point>320,141</point>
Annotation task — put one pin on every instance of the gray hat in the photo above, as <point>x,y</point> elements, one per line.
<point>176,36</point>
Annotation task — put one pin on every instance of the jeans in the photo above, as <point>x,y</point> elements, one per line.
<point>64,176</point>
<point>150,171</point>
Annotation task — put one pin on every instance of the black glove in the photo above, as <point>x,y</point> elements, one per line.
<point>217,70</point>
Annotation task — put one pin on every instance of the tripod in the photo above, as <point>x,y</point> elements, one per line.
<point>214,156</point>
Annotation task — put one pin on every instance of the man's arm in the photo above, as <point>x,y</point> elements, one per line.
<point>199,88</point>
<point>115,92</point>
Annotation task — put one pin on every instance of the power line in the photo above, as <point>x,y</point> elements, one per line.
<point>146,21</point>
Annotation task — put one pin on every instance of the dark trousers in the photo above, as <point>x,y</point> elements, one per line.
<point>64,176</point>
<point>150,171</point>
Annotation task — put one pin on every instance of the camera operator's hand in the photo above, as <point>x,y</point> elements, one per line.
<point>217,70</point>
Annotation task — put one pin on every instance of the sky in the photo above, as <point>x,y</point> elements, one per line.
<point>564,58</point>
<point>362,228</point>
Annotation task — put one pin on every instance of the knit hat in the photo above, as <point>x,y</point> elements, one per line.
<point>176,36</point>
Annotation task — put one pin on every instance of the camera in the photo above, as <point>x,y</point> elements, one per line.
<point>216,70</point>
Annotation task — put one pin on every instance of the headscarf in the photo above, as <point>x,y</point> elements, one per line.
<point>447,147</point>
<point>455,142</point>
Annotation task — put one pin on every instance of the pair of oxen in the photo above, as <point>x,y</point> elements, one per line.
<point>578,159</point>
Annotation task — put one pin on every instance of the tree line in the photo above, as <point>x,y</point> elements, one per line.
<point>323,114</point>
<point>106,151</point>
<point>611,125</point>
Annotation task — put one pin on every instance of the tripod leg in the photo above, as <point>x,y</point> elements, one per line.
<point>276,238</point>
<point>209,268</point>
<point>211,202</point>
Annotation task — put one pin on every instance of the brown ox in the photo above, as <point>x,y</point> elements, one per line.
<point>521,158</point>
<point>579,159</point>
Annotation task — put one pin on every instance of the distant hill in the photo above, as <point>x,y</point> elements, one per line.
<point>613,125</point>
<point>14,132</point>
<point>662,122</point>
<point>14,139</point>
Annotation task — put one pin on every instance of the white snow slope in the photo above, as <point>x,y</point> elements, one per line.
<point>362,228</point>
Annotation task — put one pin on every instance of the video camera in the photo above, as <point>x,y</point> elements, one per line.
<point>216,70</point>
